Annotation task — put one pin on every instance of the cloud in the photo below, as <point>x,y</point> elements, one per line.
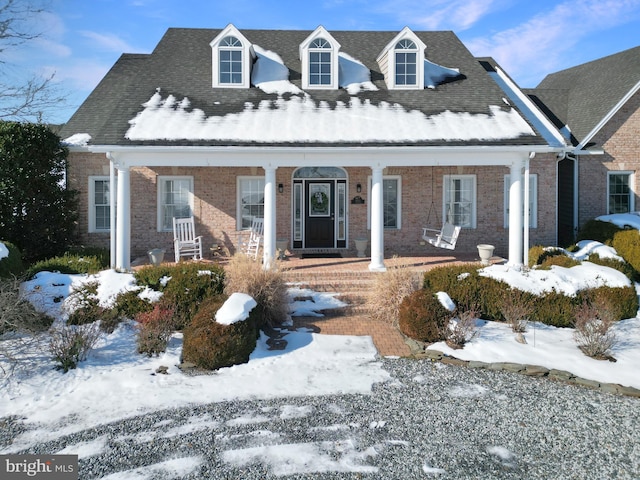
<point>540,44</point>
<point>81,75</point>
<point>439,14</point>
<point>109,41</point>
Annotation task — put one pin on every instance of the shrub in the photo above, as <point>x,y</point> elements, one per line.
<point>558,259</point>
<point>16,313</point>
<point>621,301</point>
<point>191,283</point>
<point>593,333</point>
<point>68,263</point>
<point>389,289</point>
<point>11,265</point>
<point>211,345</point>
<point>599,231</point>
<point>155,328</point>
<point>535,253</point>
<point>627,244</point>
<point>553,308</point>
<point>126,305</point>
<point>422,317</point>
<point>616,264</point>
<point>151,276</point>
<point>266,286</point>
<point>461,329</point>
<point>82,305</point>
<point>516,308</point>
<point>71,345</point>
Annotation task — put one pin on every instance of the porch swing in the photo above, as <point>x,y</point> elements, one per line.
<point>447,236</point>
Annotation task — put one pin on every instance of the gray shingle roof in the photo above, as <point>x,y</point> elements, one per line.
<point>582,96</point>
<point>181,65</point>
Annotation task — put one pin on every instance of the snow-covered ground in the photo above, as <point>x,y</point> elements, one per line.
<point>117,383</point>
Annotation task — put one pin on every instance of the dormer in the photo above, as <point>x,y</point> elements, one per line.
<point>232,56</point>
<point>319,58</point>
<point>402,61</point>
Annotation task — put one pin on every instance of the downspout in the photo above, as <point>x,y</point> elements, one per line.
<point>112,212</point>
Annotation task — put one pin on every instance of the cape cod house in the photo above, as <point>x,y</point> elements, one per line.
<point>330,136</point>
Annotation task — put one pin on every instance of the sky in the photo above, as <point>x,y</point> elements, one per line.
<point>80,40</point>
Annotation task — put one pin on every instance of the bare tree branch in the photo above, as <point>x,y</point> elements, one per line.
<point>13,16</point>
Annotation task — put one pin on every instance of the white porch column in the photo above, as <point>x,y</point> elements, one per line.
<point>112,213</point>
<point>269,249</point>
<point>516,211</point>
<point>377,222</point>
<point>123,223</point>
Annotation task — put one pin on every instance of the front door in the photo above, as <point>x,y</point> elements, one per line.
<point>320,214</point>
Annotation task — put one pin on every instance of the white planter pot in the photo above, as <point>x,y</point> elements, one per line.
<point>486,252</point>
<point>361,246</point>
<point>156,255</point>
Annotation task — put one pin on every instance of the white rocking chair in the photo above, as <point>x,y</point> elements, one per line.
<point>445,238</point>
<point>185,242</point>
<point>252,247</point>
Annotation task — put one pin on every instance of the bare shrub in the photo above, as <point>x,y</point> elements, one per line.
<point>154,330</point>
<point>70,345</point>
<point>593,333</point>
<point>389,289</point>
<point>20,324</point>
<point>461,329</point>
<point>266,286</point>
<point>516,308</point>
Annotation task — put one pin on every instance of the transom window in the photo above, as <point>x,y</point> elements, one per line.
<point>230,60</point>
<point>175,199</point>
<point>620,192</point>
<point>320,62</point>
<point>460,200</point>
<point>406,54</point>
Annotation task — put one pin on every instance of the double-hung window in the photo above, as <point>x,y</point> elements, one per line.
<point>230,61</point>
<point>460,200</point>
<point>175,199</point>
<point>533,200</point>
<point>406,58</point>
<point>391,202</point>
<point>320,62</point>
<point>620,192</point>
<point>99,204</point>
<point>250,200</point>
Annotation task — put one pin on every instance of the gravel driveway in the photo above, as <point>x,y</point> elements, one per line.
<point>429,421</point>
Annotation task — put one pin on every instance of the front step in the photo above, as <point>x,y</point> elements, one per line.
<point>352,288</point>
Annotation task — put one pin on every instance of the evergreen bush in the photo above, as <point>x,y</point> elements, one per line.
<point>422,317</point>
<point>599,231</point>
<point>627,244</point>
<point>211,345</point>
<point>11,265</point>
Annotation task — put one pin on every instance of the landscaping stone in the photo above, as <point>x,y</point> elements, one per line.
<point>433,354</point>
<point>535,371</point>
<point>561,375</point>
<point>586,382</point>
<point>478,364</point>
<point>454,361</point>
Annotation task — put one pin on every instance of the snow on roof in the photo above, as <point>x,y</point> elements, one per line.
<point>270,73</point>
<point>353,74</point>
<point>236,309</point>
<point>301,119</point>
<point>435,74</point>
<point>77,140</point>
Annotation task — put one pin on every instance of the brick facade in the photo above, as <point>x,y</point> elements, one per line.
<point>620,138</point>
<point>215,205</point>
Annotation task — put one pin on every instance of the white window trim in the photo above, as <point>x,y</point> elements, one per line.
<point>533,199</point>
<point>388,53</point>
<point>632,189</point>
<point>92,205</point>
<point>304,50</point>
<point>239,181</point>
<point>160,189</point>
<point>445,202</point>
<point>247,57</point>
<point>398,178</point>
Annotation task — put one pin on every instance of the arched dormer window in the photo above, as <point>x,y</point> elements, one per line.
<point>231,59</point>
<point>402,61</point>
<point>406,63</point>
<point>319,62</point>
<point>319,58</point>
